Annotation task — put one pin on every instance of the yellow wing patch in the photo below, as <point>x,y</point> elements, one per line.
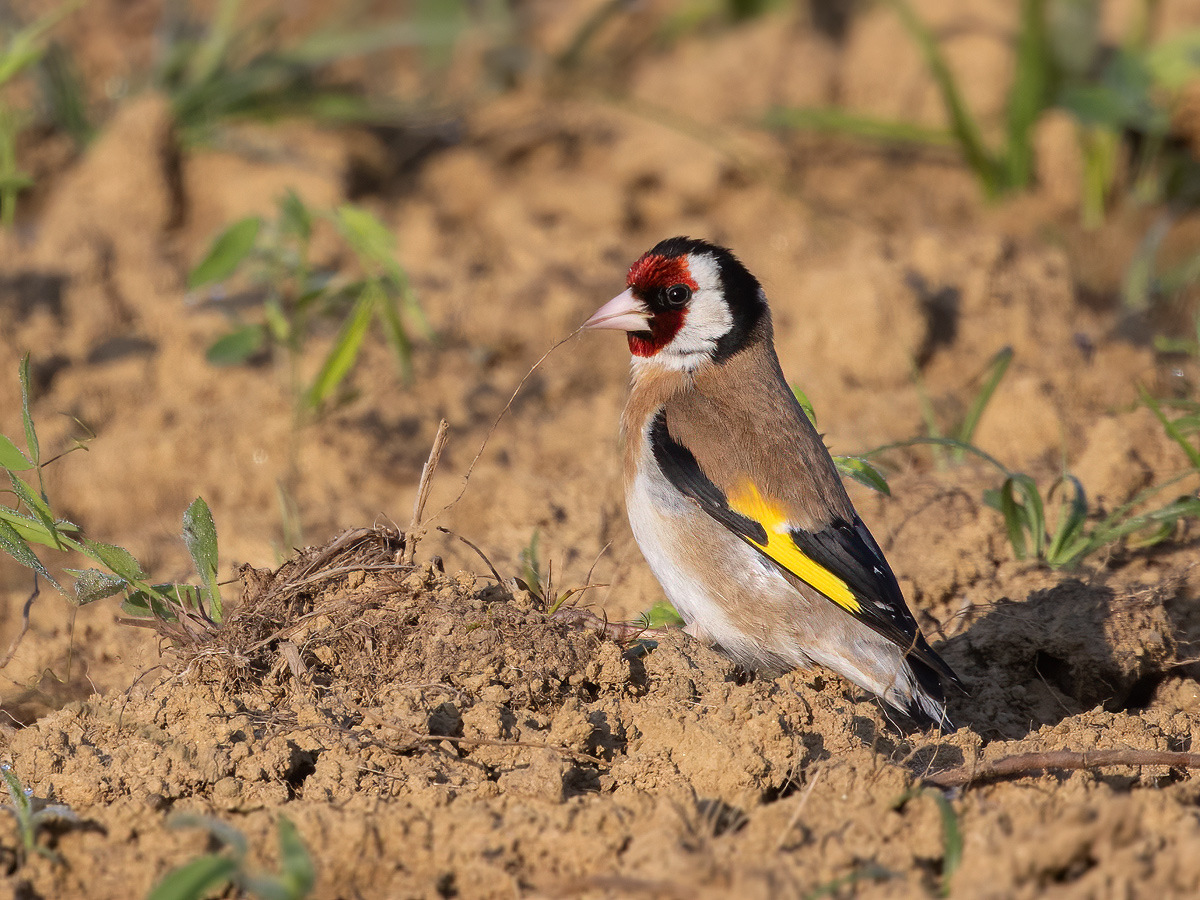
<point>780,547</point>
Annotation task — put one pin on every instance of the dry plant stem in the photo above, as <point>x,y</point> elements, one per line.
<point>414,532</point>
<point>16,642</point>
<point>1032,763</point>
<point>487,437</point>
<point>618,631</point>
<point>482,555</point>
<point>799,809</point>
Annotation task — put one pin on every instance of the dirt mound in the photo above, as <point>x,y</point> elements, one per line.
<point>437,735</point>
<point>433,736</point>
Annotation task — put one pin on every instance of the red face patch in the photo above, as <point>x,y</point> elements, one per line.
<point>663,328</point>
<point>649,275</point>
<point>652,271</point>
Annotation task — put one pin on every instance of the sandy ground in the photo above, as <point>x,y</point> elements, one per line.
<point>434,734</point>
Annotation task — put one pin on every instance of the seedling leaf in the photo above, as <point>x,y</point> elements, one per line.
<point>196,878</point>
<point>226,253</point>
<point>370,239</point>
<point>345,349</point>
<point>200,535</point>
<point>397,337</point>
<point>119,560</point>
<point>14,545</point>
<point>863,472</point>
<point>805,404</point>
<point>995,373</point>
<point>37,506</point>
<point>1170,428</point>
<point>952,841</point>
<point>92,585</point>
<point>1067,543</point>
<point>663,615</point>
<point>294,217</point>
<point>11,457</point>
<point>295,864</point>
<point>237,346</point>
<point>33,529</point>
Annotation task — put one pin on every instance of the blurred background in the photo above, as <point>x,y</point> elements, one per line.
<point>256,250</point>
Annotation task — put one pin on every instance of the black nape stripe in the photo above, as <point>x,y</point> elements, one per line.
<point>743,293</point>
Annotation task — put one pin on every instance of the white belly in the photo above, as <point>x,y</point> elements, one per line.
<point>662,521</point>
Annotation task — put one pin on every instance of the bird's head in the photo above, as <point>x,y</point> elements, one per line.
<point>687,302</point>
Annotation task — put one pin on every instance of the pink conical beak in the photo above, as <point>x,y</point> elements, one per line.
<point>623,312</point>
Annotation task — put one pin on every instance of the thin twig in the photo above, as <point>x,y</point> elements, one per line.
<point>487,437</point>
<point>482,555</point>
<point>414,533</point>
<point>12,648</point>
<point>799,808</point>
<point>1032,763</point>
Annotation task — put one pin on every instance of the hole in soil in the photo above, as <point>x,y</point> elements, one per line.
<point>721,817</point>
<point>1140,693</point>
<point>1053,670</point>
<point>782,791</point>
<point>300,766</point>
<point>589,692</point>
<point>24,292</point>
<point>446,886</point>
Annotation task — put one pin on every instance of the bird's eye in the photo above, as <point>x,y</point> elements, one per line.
<point>677,295</point>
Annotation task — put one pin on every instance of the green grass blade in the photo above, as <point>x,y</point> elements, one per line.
<point>330,46</point>
<point>863,472</point>
<point>227,252</point>
<point>1015,521</point>
<point>370,239</point>
<point>995,373</point>
<point>295,863</point>
<point>1030,93</point>
<point>294,216</point>
<point>963,125</point>
<point>397,336</point>
<point>531,565</point>
<point>200,535</point>
<point>345,348</point>
<point>1072,516</point>
<point>952,840</point>
<point>196,879</point>
<point>805,404</point>
<point>1021,506</point>
<point>831,120</point>
<point>238,346</point>
<point>25,46</point>
<point>1192,453</point>
<point>66,95</point>
<point>940,442</point>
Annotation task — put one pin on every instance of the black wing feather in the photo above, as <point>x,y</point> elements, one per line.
<point>846,549</point>
<point>850,551</point>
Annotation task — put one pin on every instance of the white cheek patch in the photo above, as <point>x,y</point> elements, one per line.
<point>708,318</point>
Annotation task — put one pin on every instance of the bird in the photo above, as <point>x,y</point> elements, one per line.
<point>733,497</point>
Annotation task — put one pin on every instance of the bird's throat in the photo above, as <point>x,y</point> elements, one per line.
<point>663,328</point>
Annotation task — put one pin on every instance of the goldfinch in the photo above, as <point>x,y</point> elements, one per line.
<point>733,498</point>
